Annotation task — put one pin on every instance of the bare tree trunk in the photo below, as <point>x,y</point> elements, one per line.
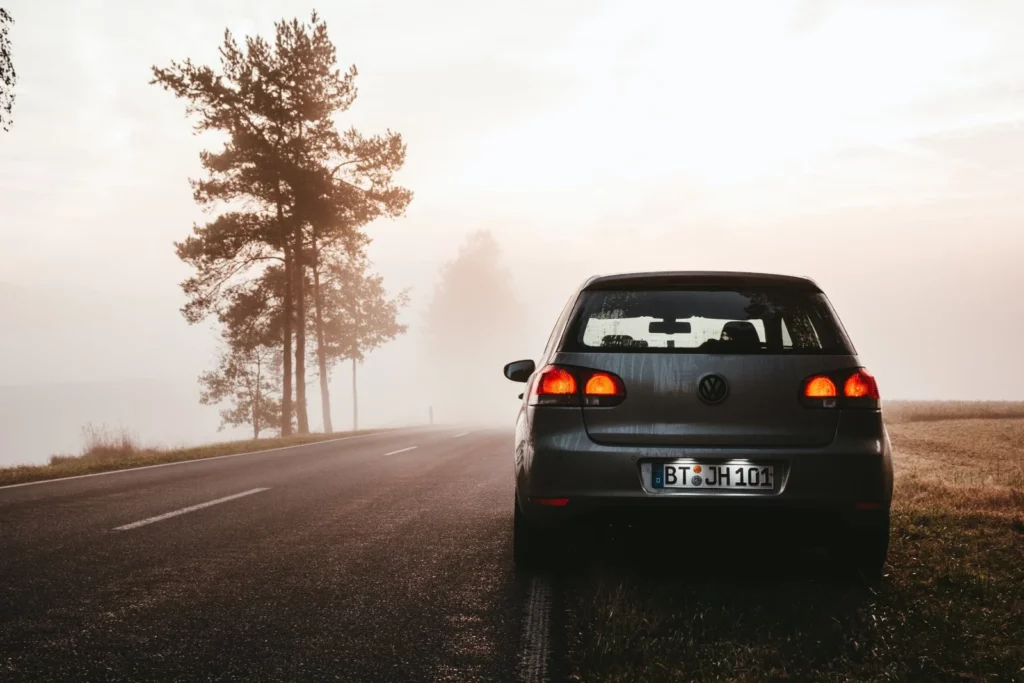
<point>300,336</point>
<point>300,321</point>
<point>355,399</point>
<point>321,351</point>
<point>286,374</point>
<point>256,408</point>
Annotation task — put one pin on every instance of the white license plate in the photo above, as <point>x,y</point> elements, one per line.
<point>694,475</point>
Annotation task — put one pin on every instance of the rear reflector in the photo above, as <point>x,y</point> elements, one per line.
<point>868,506</point>
<point>820,387</point>
<point>553,502</point>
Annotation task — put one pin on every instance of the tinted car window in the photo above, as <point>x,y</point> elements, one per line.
<point>691,320</point>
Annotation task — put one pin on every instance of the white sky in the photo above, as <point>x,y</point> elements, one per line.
<point>875,145</point>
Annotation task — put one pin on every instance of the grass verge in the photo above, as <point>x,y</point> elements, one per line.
<point>897,412</point>
<point>951,607</point>
<point>106,451</point>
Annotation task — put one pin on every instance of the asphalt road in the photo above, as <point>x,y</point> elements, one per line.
<point>354,560</point>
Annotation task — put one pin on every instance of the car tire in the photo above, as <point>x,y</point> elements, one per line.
<point>867,546</point>
<point>531,545</point>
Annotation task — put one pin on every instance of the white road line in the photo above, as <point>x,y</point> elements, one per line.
<point>401,450</point>
<point>182,511</point>
<point>533,659</point>
<point>194,461</point>
<point>462,434</point>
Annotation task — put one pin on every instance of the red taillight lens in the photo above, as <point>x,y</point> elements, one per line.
<point>560,386</point>
<point>556,381</point>
<point>603,389</point>
<point>861,384</point>
<point>820,387</point>
<point>555,386</point>
<point>602,384</point>
<point>859,390</point>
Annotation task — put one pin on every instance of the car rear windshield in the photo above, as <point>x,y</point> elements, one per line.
<point>707,320</point>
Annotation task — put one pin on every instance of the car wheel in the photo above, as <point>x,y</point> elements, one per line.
<point>531,545</point>
<point>867,546</point>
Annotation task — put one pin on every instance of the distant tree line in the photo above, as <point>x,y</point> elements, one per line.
<point>282,263</point>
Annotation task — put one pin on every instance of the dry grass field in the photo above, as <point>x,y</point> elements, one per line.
<point>897,412</point>
<point>950,608</point>
<point>108,449</point>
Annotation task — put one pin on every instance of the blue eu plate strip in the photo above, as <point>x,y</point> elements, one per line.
<point>658,475</point>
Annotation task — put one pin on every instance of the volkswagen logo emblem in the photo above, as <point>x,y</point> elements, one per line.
<point>712,389</point>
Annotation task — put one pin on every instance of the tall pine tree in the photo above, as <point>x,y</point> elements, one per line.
<point>303,185</point>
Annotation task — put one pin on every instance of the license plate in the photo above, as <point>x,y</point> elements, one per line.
<point>693,475</point>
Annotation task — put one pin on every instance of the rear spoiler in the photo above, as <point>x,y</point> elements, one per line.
<point>699,279</point>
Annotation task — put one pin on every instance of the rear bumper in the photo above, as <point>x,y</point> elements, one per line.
<point>555,459</point>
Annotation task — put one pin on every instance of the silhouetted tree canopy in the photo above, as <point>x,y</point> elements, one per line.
<point>245,378</point>
<point>290,186</point>
<point>359,314</point>
<point>246,375</point>
<point>353,315</point>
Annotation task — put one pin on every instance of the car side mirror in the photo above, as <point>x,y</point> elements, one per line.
<point>520,370</point>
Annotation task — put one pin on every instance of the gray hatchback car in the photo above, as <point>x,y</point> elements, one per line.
<point>701,393</point>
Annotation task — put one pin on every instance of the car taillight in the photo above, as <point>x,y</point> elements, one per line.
<point>556,381</point>
<point>555,386</point>
<point>861,384</point>
<point>603,389</point>
<point>859,390</point>
<point>601,384</point>
<point>819,387</point>
<point>558,385</point>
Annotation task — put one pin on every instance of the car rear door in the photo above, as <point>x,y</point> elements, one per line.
<point>749,399</point>
<point>664,407</point>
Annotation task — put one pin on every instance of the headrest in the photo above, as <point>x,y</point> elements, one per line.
<point>741,332</point>
<point>622,340</point>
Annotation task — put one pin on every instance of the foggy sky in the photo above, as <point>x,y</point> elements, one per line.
<point>874,146</point>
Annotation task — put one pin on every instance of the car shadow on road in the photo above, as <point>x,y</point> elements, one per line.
<point>652,557</point>
<point>736,549</point>
<point>636,597</point>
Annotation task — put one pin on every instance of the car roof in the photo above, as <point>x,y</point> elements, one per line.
<point>669,278</point>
